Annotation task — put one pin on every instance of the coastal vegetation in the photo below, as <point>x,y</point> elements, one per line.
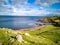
<point>54,20</point>
<point>48,35</point>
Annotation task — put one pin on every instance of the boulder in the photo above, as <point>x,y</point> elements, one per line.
<point>11,39</point>
<point>1,44</point>
<point>19,38</point>
<point>27,34</point>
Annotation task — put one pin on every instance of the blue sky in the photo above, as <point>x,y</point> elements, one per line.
<point>29,7</point>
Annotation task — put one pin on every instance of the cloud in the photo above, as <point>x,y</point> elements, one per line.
<point>23,8</point>
<point>32,12</point>
<point>46,2</point>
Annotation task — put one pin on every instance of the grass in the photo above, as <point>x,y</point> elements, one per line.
<point>47,28</point>
<point>49,35</point>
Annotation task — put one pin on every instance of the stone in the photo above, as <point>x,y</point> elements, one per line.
<point>27,34</point>
<point>1,44</point>
<point>11,39</point>
<point>59,42</point>
<point>3,28</point>
<point>14,32</point>
<point>19,38</point>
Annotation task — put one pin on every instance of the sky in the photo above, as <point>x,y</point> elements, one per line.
<point>29,7</point>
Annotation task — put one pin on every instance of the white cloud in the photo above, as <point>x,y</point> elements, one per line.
<point>46,2</point>
<point>22,8</point>
<point>32,12</point>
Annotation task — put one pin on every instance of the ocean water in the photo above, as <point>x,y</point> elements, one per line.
<point>19,22</point>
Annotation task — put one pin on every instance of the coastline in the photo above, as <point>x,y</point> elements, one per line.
<point>32,29</point>
<point>37,27</point>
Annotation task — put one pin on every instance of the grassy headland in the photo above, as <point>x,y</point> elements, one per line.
<point>48,35</point>
<point>54,20</point>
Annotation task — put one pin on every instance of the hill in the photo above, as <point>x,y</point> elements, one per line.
<point>49,35</point>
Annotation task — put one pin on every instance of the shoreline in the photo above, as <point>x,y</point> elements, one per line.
<point>32,29</point>
<point>37,27</point>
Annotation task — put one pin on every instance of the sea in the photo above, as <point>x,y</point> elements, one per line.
<point>19,22</point>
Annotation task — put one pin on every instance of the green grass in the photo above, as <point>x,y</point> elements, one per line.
<point>49,35</point>
<point>47,28</point>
